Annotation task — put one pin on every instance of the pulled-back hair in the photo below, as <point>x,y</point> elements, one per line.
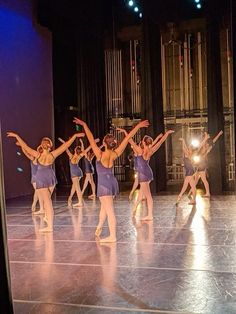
<point>110,141</point>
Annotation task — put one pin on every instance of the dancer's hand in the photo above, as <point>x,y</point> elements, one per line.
<point>143,124</point>
<point>97,140</point>
<point>12,134</point>
<point>170,131</point>
<point>181,139</point>
<point>78,121</point>
<point>221,132</point>
<point>120,130</point>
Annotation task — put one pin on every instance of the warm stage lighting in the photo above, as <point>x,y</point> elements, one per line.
<point>195,143</point>
<point>131,3</point>
<point>196,158</point>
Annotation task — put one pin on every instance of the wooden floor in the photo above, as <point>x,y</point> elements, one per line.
<point>182,262</point>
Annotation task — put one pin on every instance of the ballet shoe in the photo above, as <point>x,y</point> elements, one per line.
<point>98,232</point>
<point>69,204</point>
<point>79,204</point>
<point>33,209</point>
<point>92,197</point>
<point>147,218</point>
<point>46,229</point>
<point>39,212</point>
<point>107,240</point>
<point>45,219</point>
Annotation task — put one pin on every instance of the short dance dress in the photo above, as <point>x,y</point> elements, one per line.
<point>202,165</point>
<point>144,170</point>
<point>107,184</point>
<point>188,167</point>
<point>75,170</point>
<point>34,168</point>
<point>45,177</point>
<point>88,167</point>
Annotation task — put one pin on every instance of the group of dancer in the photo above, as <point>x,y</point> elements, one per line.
<point>44,179</point>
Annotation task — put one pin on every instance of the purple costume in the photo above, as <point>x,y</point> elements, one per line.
<point>107,184</point>
<point>145,173</point>
<point>75,170</point>
<point>188,167</point>
<point>88,167</point>
<point>34,168</point>
<point>45,177</point>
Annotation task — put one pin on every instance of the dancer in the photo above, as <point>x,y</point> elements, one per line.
<point>89,171</point>
<point>107,186</point>
<point>34,168</point>
<point>76,172</point>
<point>189,172</point>
<point>136,179</point>
<point>144,152</point>
<point>203,151</point>
<point>45,176</point>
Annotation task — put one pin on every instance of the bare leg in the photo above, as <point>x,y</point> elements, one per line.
<point>205,182</point>
<point>47,201</point>
<point>93,195</point>
<point>78,190</point>
<point>184,188</point>
<point>108,204</point>
<point>193,189</point>
<point>134,187</point>
<point>72,192</point>
<point>139,199</point>
<point>86,181</point>
<point>35,198</point>
<point>102,217</point>
<point>147,194</point>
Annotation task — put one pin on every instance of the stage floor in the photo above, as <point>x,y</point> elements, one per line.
<point>182,262</point>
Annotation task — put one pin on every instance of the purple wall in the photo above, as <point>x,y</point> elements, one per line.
<point>25,88</point>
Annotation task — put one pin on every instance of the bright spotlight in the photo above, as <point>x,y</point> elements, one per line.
<point>131,3</point>
<point>195,143</point>
<point>140,15</point>
<point>136,9</point>
<point>197,1</point>
<point>196,159</point>
<point>199,6</point>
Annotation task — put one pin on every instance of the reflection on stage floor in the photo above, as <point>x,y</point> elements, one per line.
<point>184,261</point>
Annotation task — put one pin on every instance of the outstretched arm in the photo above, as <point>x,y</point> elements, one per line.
<point>97,151</point>
<point>137,150</point>
<point>184,146</point>
<point>65,145</point>
<point>67,150</point>
<point>84,151</point>
<point>217,136</point>
<point>143,124</point>
<point>162,140</point>
<point>206,137</point>
<point>23,145</point>
<point>157,139</point>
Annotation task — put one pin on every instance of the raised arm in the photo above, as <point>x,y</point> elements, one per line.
<point>155,147</point>
<point>97,151</point>
<point>81,144</point>
<point>23,145</point>
<point>217,136</point>
<point>70,155</point>
<point>84,151</point>
<point>137,150</point>
<point>143,124</point>
<point>203,142</point>
<point>58,151</point>
<point>184,146</point>
<point>157,139</point>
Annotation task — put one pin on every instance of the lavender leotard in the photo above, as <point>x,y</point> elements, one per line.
<point>88,167</point>
<point>107,184</point>
<point>188,167</point>
<point>34,168</point>
<point>135,163</point>
<point>45,177</point>
<point>144,170</point>
<point>75,170</point>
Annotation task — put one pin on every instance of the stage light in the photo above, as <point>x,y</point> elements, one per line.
<point>196,158</point>
<point>140,15</point>
<point>197,1</point>
<point>195,143</point>
<point>131,3</point>
<point>136,9</point>
<point>199,6</point>
<point>18,153</point>
<point>19,169</point>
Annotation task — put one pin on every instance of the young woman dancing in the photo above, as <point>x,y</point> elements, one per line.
<point>89,172</point>
<point>45,177</point>
<point>189,172</point>
<point>107,186</point>
<point>144,151</point>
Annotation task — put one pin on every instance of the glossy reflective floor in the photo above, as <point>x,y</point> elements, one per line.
<point>182,262</point>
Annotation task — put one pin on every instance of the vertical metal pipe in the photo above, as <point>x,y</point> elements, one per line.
<point>163,62</point>
<point>186,78</point>
<point>199,50</point>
